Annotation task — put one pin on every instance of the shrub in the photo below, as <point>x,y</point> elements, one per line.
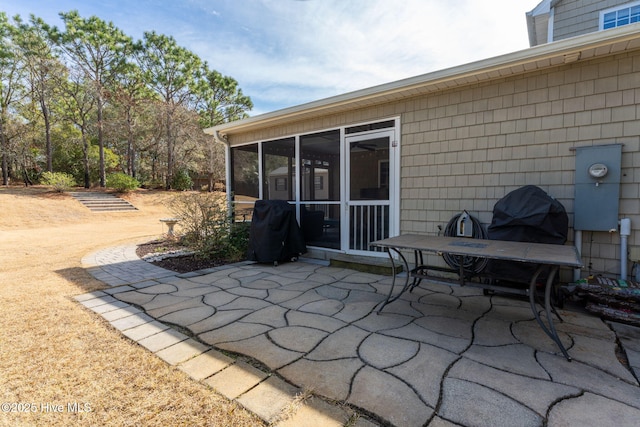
<point>238,240</point>
<point>181,181</point>
<point>60,181</point>
<point>208,228</point>
<point>122,182</point>
<point>153,184</point>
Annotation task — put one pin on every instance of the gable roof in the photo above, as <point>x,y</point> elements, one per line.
<point>538,23</point>
<point>592,45</point>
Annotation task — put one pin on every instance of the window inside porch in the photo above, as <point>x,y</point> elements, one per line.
<point>244,180</point>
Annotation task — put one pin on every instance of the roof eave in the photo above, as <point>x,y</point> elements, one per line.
<point>499,66</point>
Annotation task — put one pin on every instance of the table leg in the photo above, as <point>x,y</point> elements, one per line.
<point>418,261</point>
<point>393,283</point>
<point>551,329</point>
<point>461,269</point>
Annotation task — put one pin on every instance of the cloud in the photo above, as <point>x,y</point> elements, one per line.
<point>308,48</point>
<point>288,52</point>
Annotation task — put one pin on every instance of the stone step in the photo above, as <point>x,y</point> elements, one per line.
<point>366,264</point>
<point>115,209</point>
<point>103,202</point>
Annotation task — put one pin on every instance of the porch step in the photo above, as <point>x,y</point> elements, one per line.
<point>366,264</point>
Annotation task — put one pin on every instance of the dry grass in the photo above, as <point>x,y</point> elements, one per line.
<point>54,352</point>
<point>301,399</point>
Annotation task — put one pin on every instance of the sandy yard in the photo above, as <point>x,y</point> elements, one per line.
<point>61,364</point>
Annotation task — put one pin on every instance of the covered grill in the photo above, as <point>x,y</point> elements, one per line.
<point>527,214</point>
<point>274,235</point>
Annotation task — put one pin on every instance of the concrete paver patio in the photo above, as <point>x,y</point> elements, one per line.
<point>317,350</point>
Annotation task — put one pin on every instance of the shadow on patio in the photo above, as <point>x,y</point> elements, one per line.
<point>436,356</point>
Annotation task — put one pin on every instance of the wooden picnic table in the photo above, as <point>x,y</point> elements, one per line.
<point>542,255</point>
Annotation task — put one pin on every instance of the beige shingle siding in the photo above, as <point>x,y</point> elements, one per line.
<point>577,17</point>
<point>466,149</point>
<point>469,147</point>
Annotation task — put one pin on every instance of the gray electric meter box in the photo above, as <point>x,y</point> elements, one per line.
<point>597,188</point>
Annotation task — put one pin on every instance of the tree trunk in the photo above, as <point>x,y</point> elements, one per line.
<point>103,175</point>
<point>47,135</point>
<point>3,151</point>
<point>132,157</point>
<point>25,174</point>
<point>169,151</point>
<point>211,184</point>
<point>131,167</point>
<point>85,160</point>
<point>5,170</point>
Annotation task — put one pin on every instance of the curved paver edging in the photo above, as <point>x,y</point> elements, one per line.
<point>120,265</point>
<point>259,391</point>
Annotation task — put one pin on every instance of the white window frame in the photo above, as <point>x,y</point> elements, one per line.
<point>616,9</point>
<point>394,168</point>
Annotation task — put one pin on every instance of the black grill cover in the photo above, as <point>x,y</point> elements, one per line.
<point>274,234</point>
<point>527,214</point>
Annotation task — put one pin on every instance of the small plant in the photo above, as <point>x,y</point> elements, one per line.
<point>238,240</point>
<point>181,181</point>
<point>121,182</point>
<point>60,181</point>
<point>208,227</point>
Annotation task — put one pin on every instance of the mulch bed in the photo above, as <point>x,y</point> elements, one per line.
<point>179,264</point>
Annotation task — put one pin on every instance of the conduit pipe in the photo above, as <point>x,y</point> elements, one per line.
<point>577,241</point>
<point>625,232</point>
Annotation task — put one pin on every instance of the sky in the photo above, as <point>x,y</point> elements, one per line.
<point>285,53</point>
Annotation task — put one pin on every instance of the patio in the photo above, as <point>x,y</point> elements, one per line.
<point>436,356</point>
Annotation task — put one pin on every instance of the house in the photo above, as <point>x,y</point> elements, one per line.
<point>407,156</point>
<point>554,20</point>
<point>282,182</point>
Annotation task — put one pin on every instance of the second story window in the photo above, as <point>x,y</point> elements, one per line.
<point>617,17</point>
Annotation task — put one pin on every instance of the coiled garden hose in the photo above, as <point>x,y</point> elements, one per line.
<point>472,264</point>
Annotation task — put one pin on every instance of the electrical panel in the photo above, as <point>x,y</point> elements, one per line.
<point>597,187</point>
